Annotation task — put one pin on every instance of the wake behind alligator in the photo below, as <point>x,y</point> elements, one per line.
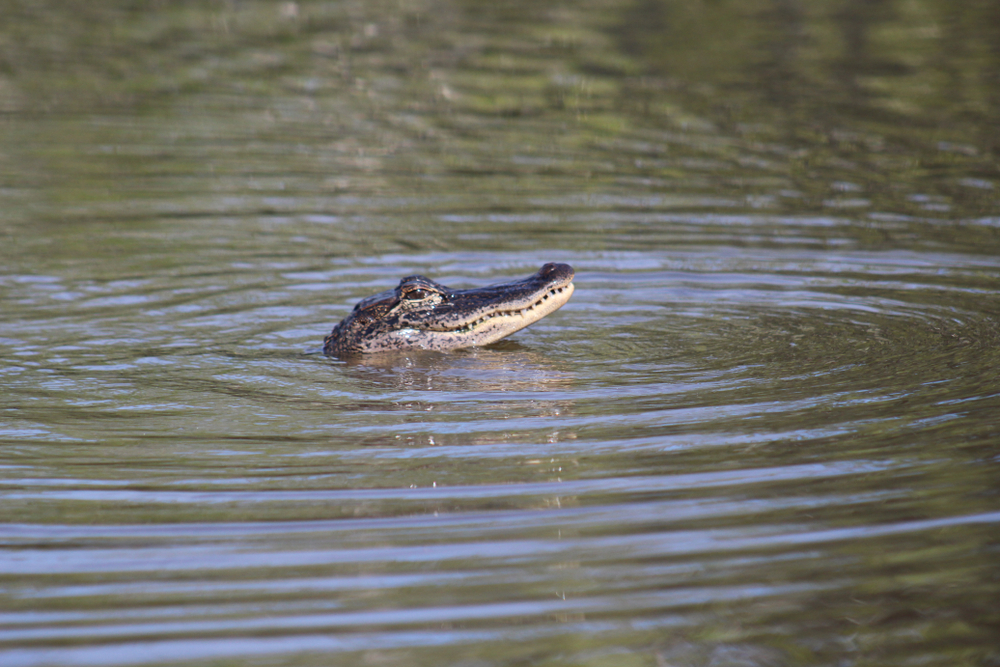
<point>422,314</point>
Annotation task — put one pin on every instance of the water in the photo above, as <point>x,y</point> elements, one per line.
<point>762,432</point>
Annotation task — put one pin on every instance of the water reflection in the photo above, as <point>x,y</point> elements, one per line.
<point>504,367</point>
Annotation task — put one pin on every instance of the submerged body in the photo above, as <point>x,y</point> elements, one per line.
<point>422,314</point>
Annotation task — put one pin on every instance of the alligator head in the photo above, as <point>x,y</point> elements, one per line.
<point>423,314</point>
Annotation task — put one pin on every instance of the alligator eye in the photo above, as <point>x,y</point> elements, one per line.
<point>417,294</point>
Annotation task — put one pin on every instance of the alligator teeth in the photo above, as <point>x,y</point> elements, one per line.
<point>511,313</point>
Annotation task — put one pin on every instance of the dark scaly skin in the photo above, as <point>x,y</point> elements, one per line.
<point>422,314</point>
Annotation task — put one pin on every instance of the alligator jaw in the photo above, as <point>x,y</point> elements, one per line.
<point>422,314</point>
<point>489,324</point>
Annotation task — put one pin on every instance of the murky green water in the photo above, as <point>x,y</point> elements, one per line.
<point>764,431</point>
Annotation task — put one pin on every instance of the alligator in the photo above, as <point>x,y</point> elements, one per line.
<point>422,314</point>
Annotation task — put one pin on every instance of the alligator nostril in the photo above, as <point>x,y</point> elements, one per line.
<point>547,269</point>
